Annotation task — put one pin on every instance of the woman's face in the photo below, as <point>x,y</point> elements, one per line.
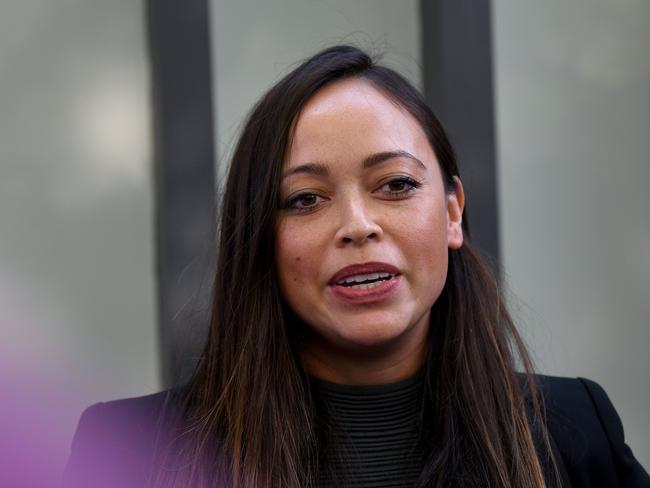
<point>365,224</point>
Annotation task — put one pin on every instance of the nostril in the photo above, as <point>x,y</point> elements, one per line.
<point>358,234</point>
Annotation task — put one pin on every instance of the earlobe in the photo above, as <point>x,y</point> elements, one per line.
<point>455,206</point>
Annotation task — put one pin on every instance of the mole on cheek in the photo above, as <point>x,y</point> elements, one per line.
<point>298,259</point>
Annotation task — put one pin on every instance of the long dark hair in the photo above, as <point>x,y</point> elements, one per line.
<point>248,408</point>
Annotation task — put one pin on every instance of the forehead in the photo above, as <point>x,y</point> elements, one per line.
<point>351,119</point>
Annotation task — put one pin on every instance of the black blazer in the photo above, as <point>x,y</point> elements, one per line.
<point>116,442</point>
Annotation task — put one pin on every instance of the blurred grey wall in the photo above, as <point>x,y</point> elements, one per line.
<point>77,311</point>
<point>573,112</point>
<point>255,43</point>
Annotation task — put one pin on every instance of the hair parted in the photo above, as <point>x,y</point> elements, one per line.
<point>248,411</point>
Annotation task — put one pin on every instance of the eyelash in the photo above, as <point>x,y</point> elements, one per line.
<point>291,203</point>
<point>412,185</point>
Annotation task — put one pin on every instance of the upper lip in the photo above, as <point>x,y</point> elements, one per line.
<point>365,268</point>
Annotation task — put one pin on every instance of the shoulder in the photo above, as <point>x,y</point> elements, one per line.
<point>116,442</point>
<point>587,433</point>
<point>131,408</point>
<point>131,421</point>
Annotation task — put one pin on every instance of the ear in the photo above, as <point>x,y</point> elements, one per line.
<point>455,206</point>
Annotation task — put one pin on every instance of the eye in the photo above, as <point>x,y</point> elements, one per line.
<point>399,186</point>
<point>303,202</point>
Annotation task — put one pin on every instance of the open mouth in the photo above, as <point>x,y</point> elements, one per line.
<point>365,281</point>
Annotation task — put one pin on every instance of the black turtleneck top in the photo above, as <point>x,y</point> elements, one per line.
<point>370,433</point>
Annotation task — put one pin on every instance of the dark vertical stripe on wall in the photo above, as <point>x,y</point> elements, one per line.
<point>457,58</point>
<point>179,44</point>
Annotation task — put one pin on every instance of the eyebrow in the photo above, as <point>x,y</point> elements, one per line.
<point>320,169</point>
<point>378,158</point>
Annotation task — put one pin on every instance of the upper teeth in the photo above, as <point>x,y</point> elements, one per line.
<point>364,277</point>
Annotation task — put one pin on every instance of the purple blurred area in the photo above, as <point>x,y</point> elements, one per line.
<point>35,414</point>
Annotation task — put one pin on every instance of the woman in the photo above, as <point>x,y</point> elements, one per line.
<point>356,337</point>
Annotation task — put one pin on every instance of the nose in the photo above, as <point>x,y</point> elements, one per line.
<point>357,224</point>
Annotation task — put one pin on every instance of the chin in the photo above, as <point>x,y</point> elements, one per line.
<point>372,335</point>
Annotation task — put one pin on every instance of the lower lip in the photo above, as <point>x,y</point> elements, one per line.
<point>357,296</point>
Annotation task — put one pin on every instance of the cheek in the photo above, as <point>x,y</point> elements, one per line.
<point>295,258</point>
<point>426,242</point>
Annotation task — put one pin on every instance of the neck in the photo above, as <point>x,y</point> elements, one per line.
<point>382,365</point>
